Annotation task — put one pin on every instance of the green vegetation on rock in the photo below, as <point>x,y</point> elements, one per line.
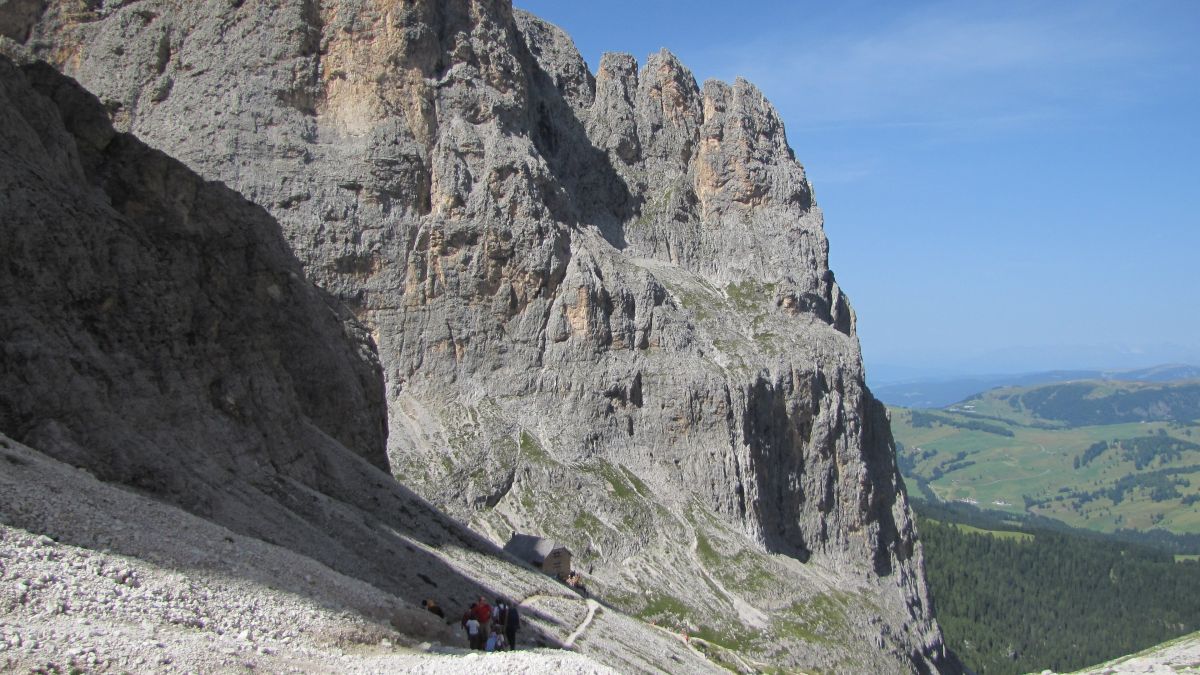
<point>616,477</point>
<point>533,450</point>
<point>749,295</point>
<point>661,605</point>
<point>819,619</point>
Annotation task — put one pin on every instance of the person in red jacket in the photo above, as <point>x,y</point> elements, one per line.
<point>483,612</point>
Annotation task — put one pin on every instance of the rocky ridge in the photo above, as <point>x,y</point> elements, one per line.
<point>602,304</point>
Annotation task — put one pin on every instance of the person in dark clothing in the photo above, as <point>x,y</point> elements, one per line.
<point>475,635</point>
<point>498,614</point>
<point>467,617</point>
<point>512,621</point>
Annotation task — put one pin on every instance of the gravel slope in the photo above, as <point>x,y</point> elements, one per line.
<point>98,578</point>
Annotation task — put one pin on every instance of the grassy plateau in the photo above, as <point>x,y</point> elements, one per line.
<point>1096,455</point>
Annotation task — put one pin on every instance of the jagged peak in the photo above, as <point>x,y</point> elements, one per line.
<point>663,66</point>
<point>748,103</point>
<point>617,64</point>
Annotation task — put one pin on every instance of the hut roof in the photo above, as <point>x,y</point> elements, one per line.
<point>532,548</point>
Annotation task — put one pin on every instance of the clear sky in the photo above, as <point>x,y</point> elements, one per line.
<point>1007,186</point>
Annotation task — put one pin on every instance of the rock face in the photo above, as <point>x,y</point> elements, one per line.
<point>120,261</point>
<point>602,305</point>
<point>157,333</point>
<point>156,330</point>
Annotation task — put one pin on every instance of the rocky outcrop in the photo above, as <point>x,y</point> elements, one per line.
<point>603,305</point>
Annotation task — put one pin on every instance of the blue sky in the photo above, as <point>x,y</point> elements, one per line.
<point>1007,186</point>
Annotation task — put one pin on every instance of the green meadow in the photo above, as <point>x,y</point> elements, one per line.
<point>995,452</point>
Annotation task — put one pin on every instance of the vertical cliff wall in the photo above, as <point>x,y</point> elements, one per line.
<point>602,303</point>
<point>204,429</point>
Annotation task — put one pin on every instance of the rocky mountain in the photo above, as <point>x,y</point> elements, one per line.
<point>192,456</point>
<point>602,303</point>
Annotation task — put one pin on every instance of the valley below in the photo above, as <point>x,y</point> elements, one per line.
<point>1059,520</point>
<point>1096,456</point>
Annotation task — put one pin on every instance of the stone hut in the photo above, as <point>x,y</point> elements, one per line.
<point>553,558</point>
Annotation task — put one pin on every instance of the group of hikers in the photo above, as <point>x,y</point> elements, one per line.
<point>488,628</point>
<point>492,629</point>
<point>575,581</point>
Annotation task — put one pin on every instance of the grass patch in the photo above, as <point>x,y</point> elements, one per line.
<point>1145,476</point>
<point>635,481</point>
<point>701,299</point>
<point>743,571</point>
<point>661,605</point>
<point>533,450</point>
<point>717,655</point>
<point>999,534</point>
<point>699,305</point>
<point>527,501</point>
<point>708,555</point>
<point>616,479</point>
<point>766,340</point>
<point>747,575</point>
<point>820,619</point>
<point>733,640</point>
<point>586,522</point>
<point>749,295</point>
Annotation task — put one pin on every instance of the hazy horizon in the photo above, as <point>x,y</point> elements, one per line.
<point>1006,186</point>
<point>1017,360</point>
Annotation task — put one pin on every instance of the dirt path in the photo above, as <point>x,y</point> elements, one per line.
<point>587,621</point>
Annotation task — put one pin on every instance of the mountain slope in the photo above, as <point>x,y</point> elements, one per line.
<point>100,579</point>
<point>1091,402</point>
<point>1017,601</point>
<point>603,305</point>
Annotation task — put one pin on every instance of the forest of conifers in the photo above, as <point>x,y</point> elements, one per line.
<point>1058,601</point>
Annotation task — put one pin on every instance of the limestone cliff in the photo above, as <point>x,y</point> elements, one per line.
<point>227,421</point>
<point>602,303</point>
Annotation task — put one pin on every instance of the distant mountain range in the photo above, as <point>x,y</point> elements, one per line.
<point>941,392</point>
